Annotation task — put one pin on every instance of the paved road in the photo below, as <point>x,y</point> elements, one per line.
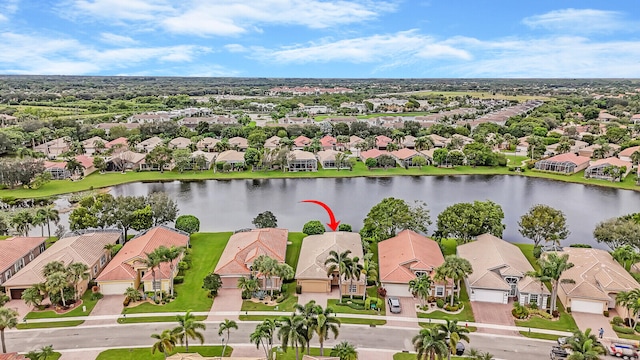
<point>392,338</point>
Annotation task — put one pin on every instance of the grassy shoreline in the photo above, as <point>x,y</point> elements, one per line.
<point>97,181</point>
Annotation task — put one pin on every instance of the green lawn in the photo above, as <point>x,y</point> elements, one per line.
<point>290,354</point>
<point>145,353</point>
<point>534,335</point>
<point>409,356</point>
<point>527,250</point>
<point>153,319</point>
<point>206,251</point>
<point>47,325</point>
<point>97,180</point>
<point>287,305</point>
<point>343,307</point>
<point>628,336</point>
<point>86,301</point>
<point>565,323</point>
<point>465,315</point>
<point>293,249</point>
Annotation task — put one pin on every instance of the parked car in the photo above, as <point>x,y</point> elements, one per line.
<point>623,351</point>
<point>394,305</point>
<point>558,352</point>
<point>459,349</point>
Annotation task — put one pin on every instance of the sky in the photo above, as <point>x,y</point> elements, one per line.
<point>322,38</point>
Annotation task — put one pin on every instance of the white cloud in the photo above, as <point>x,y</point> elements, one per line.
<point>115,39</point>
<point>8,7</point>
<point>579,21</point>
<point>235,48</point>
<point>3,18</point>
<point>116,10</point>
<point>399,48</point>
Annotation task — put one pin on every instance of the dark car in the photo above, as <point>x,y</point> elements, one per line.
<point>558,353</point>
<point>459,349</point>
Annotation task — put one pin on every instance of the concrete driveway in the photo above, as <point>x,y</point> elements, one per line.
<point>226,301</point>
<point>108,305</point>
<point>320,298</point>
<point>595,322</point>
<point>408,310</point>
<point>19,306</point>
<point>492,313</point>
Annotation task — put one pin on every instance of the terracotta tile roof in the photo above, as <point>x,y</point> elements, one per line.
<point>14,248</point>
<point>629,151</point>
<point>12,356</point>
<point>595,274</point>
<point>404,153</point>
<point>382,140</point>
<point>86,161</point>
<point>373,153</point>
<point>86,248</point>
<point>316,248</point>
<point>120,267</point>
<point>121,140</point>
<point>244,247</point>
<point>328,141</point>
<point>301,141</point>
<point>405,253</point>
<point>614,161</point>
<point>570,157</point>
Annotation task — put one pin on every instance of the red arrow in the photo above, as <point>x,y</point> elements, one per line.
<point>333,224</point>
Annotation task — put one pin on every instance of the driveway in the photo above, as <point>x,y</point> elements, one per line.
<point>491,313</point>
<point>320,298</point>
<point>108,305</point>
<point>19,306</point>
<point>595,322</point>
<point>408,310</point>
<point>227,300</point>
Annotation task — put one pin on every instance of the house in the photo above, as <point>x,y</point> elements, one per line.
<point>300,160</point>
<point>625,155</point>
<point>12,356</point>
<point>209,156</point>
<point>87,248</point>
<point>272,142</point>
<point>353,144</point>
<point>406,256</point>
<point>409,142</point>
<point>149,118</point>
<point>301,142</point>
<point>296,120</point>
<point>192,122</point>
<point>233,157</point>
<point>439,141</point>
<point>606,117</point>
<point>575,148</point>
<point>499,269</point>
<point>149,144</point>
<point>239,143</point>
<point>54,148</point>
<point>599,169</point>
<point>373,153</point>
<point>108,126</point>
<point>328,143</point>
<point>382,142</point>
<point>119,144</point>
<point>589,151</point>
<point>57,169</point>
<point>635,119</point>
<point>568,163</point>
<point>207,144</point>
<point>404,157</point>
<point>93,145</point>
<point>127,268</point>
<point>244,247</point>
<point>87,164</point>
<point>126,160</point>
<point>428,155</point>
<point>16,252</point>
<point>311,272</point>
<point>179,143</point>
<point>327,159</point>
<point>596,280</point>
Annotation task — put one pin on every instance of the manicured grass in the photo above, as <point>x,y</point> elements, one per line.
<point>54,356</point>
<point>293,249</point>
<point>206,251</point>
<point>286,305</point>
<point>535,335</point>
<point>97,180</point>
<point>527,250</point>
<point>478,94</point>
<point>152,319</point>
<point>465,315</point>
<point>564,323</point>
<point>432,325</point>
<point>290,354</point>
<point>343,308</point>
<point>362,321</point>
<point>86,301</point>
<point>628,336</point>
<point>145,353</point>
<point>2,237</point>
<point>47,325</point>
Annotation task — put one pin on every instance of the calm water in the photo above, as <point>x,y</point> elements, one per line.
<point>232,204</point>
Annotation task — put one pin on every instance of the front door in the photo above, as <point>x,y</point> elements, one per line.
<point>513,285</point>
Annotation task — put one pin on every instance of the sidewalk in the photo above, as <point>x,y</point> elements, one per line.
<point>230,314</point>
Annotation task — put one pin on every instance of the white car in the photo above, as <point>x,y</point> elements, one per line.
<point>394,305</point>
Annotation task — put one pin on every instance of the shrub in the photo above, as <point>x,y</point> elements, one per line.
<point>298,289</point>
<point>345,227</point>
<point>126,301</point>
<point>382,292</point>
<point>282,298</point>
<point>440,303</point>
<point>519,311</point>
<point>96,296</point>
<point>617,320</point>
<point>622,329</point>
<point>313,227</point>
<point>533,306</point>
<point>183,265</point>
<point>537,251</point>
<point>605,313</point>
<point>178,280</point>
<point>377,301</point>
<point>541,313</point>
<point>213,283</point>
<point>187,259</point>
<point>451,308</point>
<point>245,295</point>
<point>584,246</point>
<point>188,223</point>
<point>555,313</point>
<point>95,288</point>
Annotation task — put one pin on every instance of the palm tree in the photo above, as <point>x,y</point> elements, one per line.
<point>8,320</point>
<point>248,285</point>
<point>132,294</point>
<point>263,335</point>
<point>32,296</point>
<point>152,261</point>
<point>165,344</point>
<point>635,157</point>
<point>22,221</point>
<point>169,255</point>
<point>455,333</point>
<point>53,267</point>
<point>39,220</point>
<point>631,301</point>
<point>340,263</point>
<point>552,266</point>
<point>51,215</point>
<point>430,343</point>
<point>227,325</point>
<point>354,272</point>
<point>421,287</point>
<point>424,143</point>
<point>584,346</point>
<point>188,328</point>
<point>292,332</point>
<point>74,166</point>
<point>284,272</point>
<point>626,255</point>
<point>78,271</point>
<point>325,323</point>
<point>57,281</point>
<point>454,268</point>
<point>309,312</point>
<point>369,269</point>
<point>340,159</point>
<point>266,266</point>
<point>45,352</point>
<point>345,351</point>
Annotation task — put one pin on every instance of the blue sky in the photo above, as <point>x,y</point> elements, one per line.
<point>322,38</point>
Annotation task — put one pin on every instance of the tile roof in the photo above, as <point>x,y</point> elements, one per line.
<point>327,155</point>
<point>12,356</point>
<point>119,141</point>
<point>14,248</point>
<point>120,267</point>
<point>401,255</point>
<point>239,142</point>
<point>569,157</point>
<point>595,274</point>
<point>629,151</point>
<point>404,153</point>
<point>301,141</point>
<point>302,155</point>
<point>614,161</point>
<point>244,247</point>
<point>328,141</point>
<point>86,248</point>
<point>316,248</point>
<point>231,156</point>
<point>382,140</point>
<point>373,153</point>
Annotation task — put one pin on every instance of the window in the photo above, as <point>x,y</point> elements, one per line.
<point>95,270</point>
<point>7,275</point>
<point>533,298</point>
<point>439,290</point>
<point>18,265</point>
<point>420,273</point>
<point>268,283</point>
<point>353,288</point>
<point>42,247</point>
<point>31,257</point>
<point>103,260</point>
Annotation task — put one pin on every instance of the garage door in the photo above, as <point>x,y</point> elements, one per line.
<point>397,289</point>
<point>311,286</point>
<point>118,288</point>
<point>491,296</point>
<point>16,293</point>
<point>592,307</point>
<point>230,282</point>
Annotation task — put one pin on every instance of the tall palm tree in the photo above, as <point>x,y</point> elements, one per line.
<point>266,267</point>
<point>53,267</point>
<point>284,272</point>
<point>456,333</point>
<point>152,261</point>
<point>292,333</point>
<point>421,287</point>
<point>584,346</point>
<point>430,343</point>
<point>187,328</point>
<point>165,344</point>
<point>344,351</point>
<point>248,285</point>
<point>326,323</point>
<point>39,220</point>
<point>454,268</point>
<point>52,215</point>
<point>631,301</point>
<point>626,255</point>
<point>22,221</point>
<point>340,263</point>
<point>226,326</point>
<point>8,320</point>
<point>57,281</point>
<point>77,271</point>
<point>369,270</point>
<point>309,312</point>
<point>263,335</point>
<point>552,266</point>
<point>354,272</point>
<point>169,255</point>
